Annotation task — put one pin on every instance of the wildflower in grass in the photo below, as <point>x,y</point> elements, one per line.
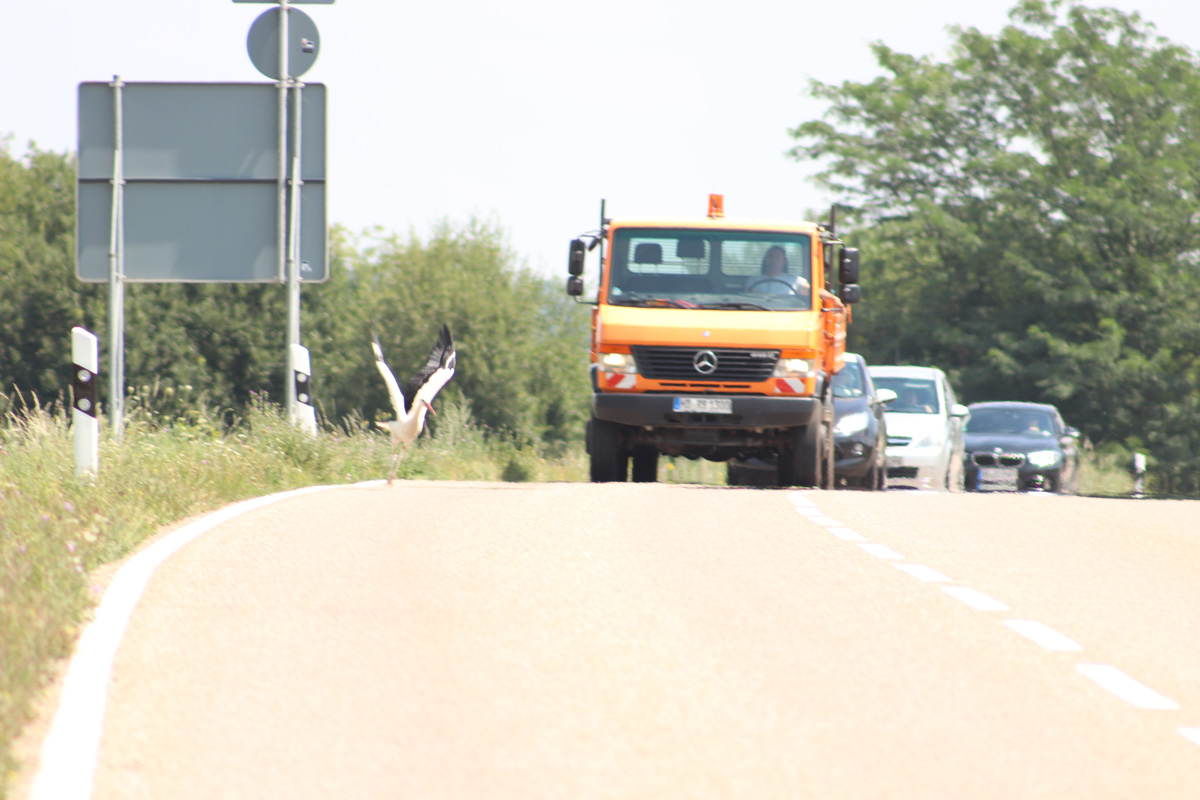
<point>45,517</point>
<point>69,507</point>
<point>70,547</point>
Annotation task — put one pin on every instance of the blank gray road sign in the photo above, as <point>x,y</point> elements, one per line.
<point>200,165</point>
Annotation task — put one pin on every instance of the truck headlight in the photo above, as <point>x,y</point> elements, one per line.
<point>794,368</point>
<point>1043,458</point>
<point>852,423</point>
<point>622,363</point>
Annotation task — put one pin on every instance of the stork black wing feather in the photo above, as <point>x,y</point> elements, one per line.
<point>442,355</point>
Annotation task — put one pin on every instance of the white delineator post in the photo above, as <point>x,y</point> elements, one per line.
<point>303,415</point>
<point>85,353</point>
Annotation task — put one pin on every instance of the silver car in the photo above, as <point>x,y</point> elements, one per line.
<point>925,428</point>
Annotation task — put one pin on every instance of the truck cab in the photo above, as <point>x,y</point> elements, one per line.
<point>715,338</point>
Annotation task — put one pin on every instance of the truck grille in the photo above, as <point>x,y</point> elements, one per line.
<point>679,363</point>
<point>899,441</point>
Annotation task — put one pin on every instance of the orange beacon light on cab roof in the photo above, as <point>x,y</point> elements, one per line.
<point>716,206</point>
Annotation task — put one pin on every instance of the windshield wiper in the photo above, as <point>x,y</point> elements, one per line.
<point>740,306</point>
<point>648,302</point>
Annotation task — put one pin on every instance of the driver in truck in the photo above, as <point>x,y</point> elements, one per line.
<point>774,266</point>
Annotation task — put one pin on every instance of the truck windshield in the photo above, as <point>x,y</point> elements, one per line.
<point>690,268</point>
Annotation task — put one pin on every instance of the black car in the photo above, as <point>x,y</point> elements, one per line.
<point>859,427</point>
<point>1020,447</point>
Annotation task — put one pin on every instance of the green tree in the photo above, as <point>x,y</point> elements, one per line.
<point>1026,212</point>
<point>40,300</point>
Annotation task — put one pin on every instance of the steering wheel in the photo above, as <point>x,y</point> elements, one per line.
<point>790,286</point>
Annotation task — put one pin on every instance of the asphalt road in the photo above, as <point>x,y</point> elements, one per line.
<point>442,640</point>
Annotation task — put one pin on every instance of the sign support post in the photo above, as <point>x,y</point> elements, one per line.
<point>116,276</point>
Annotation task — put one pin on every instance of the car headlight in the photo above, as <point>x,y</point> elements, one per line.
<point>794,368</point>
<point>852,423</point>
<point>929,440</point>
<point>618,362</point>
<point>1044,458</point>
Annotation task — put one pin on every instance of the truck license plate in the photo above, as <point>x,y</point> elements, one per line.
<point>997,479</point>
<point>704,405</point>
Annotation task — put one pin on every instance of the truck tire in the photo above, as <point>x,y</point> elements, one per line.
<point>800,463</point>
<point>645,464</point>
<point>609,460</point>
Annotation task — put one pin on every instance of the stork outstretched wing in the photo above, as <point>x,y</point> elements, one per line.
<point>393,388</point>
<point>437,372</point>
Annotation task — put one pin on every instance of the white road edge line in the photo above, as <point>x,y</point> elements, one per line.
<point>1126,688</point>
<point>828,522</point>
<point>923,573</point>
<point>975,599</point>
<point>880,550</point>
<point>71,747</point>
<point>1191,734</point>
<point>1044,635</point>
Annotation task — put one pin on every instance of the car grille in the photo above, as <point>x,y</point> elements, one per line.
<point>899,441</point>
<point>902,472</point>
<point>676,363</point>
<point>998,459</point>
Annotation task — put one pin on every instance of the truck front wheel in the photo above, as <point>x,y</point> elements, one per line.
<point>800,462</point>
<point>609,459</point>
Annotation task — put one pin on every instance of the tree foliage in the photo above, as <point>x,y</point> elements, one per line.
<point>1026,210</point>
<point>521,343</point>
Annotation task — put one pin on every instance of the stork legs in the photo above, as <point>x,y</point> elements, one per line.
<point>397,454</point>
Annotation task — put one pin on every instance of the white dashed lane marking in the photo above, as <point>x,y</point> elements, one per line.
<point>923,573</point>
<point>975,599</point>
<point>1043,635</point>
<point>847,534</point>
<point>880,550</point>
<point>1104,675</point>
<point>1125,687</point>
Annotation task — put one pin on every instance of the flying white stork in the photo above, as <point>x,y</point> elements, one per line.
<point>414,401</point>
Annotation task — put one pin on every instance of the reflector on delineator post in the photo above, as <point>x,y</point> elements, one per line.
<point>85,353</point>
<point>304,415</point>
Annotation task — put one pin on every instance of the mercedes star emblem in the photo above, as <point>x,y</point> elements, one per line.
<point>705,362</point>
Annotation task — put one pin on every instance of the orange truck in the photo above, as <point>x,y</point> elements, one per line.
<point>715,338</point>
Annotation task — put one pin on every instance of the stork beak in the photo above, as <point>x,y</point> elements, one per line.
<point>431,411</point>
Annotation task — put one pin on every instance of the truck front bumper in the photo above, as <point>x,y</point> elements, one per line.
<point>747,411</point>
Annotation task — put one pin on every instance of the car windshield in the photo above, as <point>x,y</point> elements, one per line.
<point>848,382</point>
<point>693,268</point>
<point>1033,422</point>
<point>913,395</point>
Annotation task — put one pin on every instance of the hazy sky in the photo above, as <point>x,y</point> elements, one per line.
<point>527,113</point>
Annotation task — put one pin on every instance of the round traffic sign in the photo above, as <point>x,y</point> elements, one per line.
<point>304,43</point>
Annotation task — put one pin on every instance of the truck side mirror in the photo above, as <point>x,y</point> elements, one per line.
<point>848,266</point>
<point>575,262</point>
<point>574,286</point>
<point>850,293</point>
